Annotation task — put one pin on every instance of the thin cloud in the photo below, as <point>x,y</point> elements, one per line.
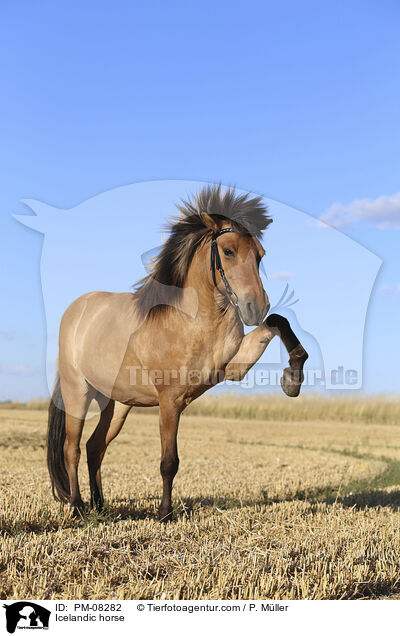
<point>383,212</point>
<point>281,275</point>
<point>390,290</point>
<point>16,369</point>
<point>7,335</point>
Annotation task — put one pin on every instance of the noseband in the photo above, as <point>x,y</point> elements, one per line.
<point>217,265</point>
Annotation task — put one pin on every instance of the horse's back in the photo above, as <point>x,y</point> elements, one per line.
<point>94,311</point>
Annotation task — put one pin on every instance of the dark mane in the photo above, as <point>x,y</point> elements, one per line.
<point>162,286</point>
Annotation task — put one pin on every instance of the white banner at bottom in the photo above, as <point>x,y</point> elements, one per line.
<point>183,617</point>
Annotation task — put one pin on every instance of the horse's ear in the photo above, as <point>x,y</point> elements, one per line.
<point>210,221</point>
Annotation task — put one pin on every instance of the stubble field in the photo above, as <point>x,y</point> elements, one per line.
<point>274,499</point>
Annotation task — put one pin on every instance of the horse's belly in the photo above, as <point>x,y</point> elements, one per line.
<point>133,386</point>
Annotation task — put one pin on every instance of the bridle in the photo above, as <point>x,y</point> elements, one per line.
<point>217,265</point>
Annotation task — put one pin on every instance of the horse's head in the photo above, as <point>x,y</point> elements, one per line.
<point>235,260</point>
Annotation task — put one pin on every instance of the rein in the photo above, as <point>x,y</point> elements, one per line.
<point>217,265</point>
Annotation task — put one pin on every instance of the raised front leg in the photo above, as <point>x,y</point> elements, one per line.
<point>293,375</point>
<point>251,349</point>
<point>254,344</point>
<point>169,421</point>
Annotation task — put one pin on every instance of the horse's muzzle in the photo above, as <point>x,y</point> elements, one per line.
<point>251,313</point>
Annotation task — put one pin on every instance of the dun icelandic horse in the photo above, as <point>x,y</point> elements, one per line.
<point>179,334</point>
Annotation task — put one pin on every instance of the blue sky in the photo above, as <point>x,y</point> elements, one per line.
<point>297,101</point>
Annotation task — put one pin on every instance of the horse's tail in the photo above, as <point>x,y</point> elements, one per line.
<point>55,445</point>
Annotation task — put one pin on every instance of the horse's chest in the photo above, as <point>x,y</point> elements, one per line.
<point>185,363</point>
<point>214,357</point>
<point>200,351</point>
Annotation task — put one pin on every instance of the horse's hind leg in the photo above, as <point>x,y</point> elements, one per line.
<point>72,453</point>
<point>77,395</point>
<point>112,419</point>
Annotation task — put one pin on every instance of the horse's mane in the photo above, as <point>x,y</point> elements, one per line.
<point>162,286</point>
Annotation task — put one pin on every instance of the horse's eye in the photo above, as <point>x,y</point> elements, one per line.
<point>228,252</point>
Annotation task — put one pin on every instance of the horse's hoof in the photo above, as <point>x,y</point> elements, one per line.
<point>78,511</point>
<point>293,376</point>
<point>97,504</point>
<point>165,515</point>
<point>290,385</point>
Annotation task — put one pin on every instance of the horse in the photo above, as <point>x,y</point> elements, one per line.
<point>176,335</point>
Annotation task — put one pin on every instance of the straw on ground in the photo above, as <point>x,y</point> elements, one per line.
<point>286,499</point>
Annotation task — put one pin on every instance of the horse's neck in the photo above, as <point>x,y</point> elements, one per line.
<point>207,336</point>
<point>209,316</point>
<point>196,323</point>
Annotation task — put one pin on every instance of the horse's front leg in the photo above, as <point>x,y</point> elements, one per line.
<point>254,344</point>
<point>293,375</point>
<point>251,348</point>
<point>169,421</point>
